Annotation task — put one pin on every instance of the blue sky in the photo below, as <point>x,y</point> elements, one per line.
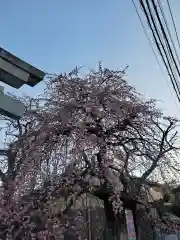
<point>57,35</point>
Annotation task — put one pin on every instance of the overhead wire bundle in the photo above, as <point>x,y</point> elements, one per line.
<point>162,37</point>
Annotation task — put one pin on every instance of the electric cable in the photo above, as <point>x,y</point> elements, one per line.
<point>169,7</point>
<point>164,34</point>
<point>154,32</point>
<point>167,27</point>
<point>154,52</point>
<point>166,40</point>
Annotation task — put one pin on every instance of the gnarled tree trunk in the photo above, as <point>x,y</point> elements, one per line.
<point>115,226</point>
<point>143,224</point>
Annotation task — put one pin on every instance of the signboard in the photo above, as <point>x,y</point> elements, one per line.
<point>130,225</point>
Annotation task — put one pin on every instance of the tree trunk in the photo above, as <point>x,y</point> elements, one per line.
<point>115,227</point>
<point>143,224</point>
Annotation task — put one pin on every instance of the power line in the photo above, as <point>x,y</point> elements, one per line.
<point>176,82</point>
<point>160,46</point>
<point>174,25</point>
<point>150,43</point>
<point>162,42</point>
<point>147,36</point>
<point>158,41</point>
<point>170,36</point>
<point>164,34</point>
<point>167,27</point>
<point>169,33</point>
<point>152,48</point>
